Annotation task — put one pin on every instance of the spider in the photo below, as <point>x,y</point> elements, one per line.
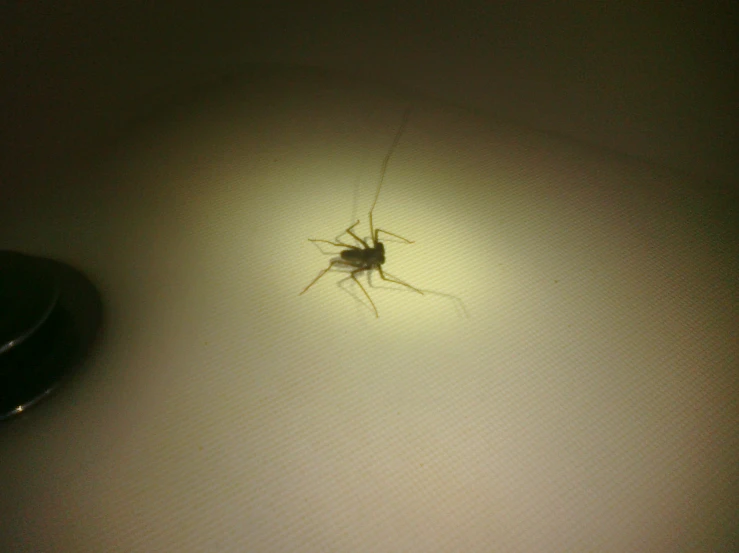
<point>366,257</point>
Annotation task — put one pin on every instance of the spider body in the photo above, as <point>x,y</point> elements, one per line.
<point>365,258</point>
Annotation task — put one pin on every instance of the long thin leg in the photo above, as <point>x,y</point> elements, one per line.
<point>383,277</point>
<point>357,238</point>
<point>378,231</point>
<point>385,161</point>
<point>337,244</point>
<point>350,228</point>
<point>353,275</point>
<point>326,270</point>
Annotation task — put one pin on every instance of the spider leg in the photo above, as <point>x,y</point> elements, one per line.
<point>392,234</point>
<point>326,270</point>
<point>337,244</point>
<point>357,238</point>
<point>354,278</point>
<point>340,244</point>
<point>383,277</point>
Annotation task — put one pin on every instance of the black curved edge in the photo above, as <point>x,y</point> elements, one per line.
<point>32,370</point>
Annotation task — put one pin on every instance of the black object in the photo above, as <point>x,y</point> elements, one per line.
<point>49,317</point>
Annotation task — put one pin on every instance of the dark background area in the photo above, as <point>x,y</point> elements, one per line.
<point>653,81</point>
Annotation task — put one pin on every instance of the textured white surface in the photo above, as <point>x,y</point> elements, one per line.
<point>586,404</point>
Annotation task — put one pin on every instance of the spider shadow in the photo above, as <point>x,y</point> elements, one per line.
<point>460,307</point>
